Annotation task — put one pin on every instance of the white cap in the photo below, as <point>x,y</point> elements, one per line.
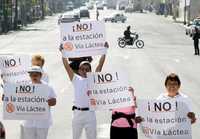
<point>35,69</point>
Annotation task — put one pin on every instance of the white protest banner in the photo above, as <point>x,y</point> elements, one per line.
<point>25,102</point>
<point>14,68</point>
<point>109,90</point>
<point>164,119</point>
<point>81,39</point>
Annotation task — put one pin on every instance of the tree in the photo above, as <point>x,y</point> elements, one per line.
<point>42,9</point>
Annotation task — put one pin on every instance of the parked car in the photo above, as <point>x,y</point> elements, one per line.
<point>129,10</point>
<point>84,12</point>
<point>67,18</point>
<point>100,7</point>
<point>116,17</point>
<point>122,7</point>
<point>190,30</point>
<point>111,6</point>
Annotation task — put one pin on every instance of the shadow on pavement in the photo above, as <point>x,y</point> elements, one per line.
<point>32,29</point>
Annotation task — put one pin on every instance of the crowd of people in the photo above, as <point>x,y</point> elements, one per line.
<point>123,121</point>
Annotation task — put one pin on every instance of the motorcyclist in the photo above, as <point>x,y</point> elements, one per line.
<point>127,35</point>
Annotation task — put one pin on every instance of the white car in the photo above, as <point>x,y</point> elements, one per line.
<point>116,17</point>
<point>190,30</point>
<point>84,12</point>
<point>67,18</point>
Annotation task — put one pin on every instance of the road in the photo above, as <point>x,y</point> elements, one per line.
<point>166,50</point>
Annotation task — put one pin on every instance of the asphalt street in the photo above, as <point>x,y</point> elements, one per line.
<point>167,49</point>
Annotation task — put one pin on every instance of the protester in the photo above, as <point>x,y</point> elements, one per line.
<point>83,117</point>
<point>75,62</point>
<point>97,15</point>
<point>173,84</point>
<point>196,37</point>
<point>124,121</point>
<point>127,35</point>
<point>38,129</point>
<point>38,60</point>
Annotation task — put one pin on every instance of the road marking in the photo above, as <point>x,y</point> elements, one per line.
<point>104,131</point>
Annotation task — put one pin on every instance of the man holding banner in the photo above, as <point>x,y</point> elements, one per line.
<point>83,117</point>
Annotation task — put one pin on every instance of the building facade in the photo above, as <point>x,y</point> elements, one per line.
<point>194,9</point>
<point>186,10</point>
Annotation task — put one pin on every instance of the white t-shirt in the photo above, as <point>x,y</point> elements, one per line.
<point>179,97</point>
<point>81,99</point>
<point>45,77</point>
<point>42,123</point>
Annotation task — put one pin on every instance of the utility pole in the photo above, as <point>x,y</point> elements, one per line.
<point>185,10</point>
<point>16,15</point>
<point>189,13</point>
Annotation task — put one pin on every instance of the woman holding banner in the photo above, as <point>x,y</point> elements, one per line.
<point>124,121</point>
<point>173,84</point>
<point>83,118</point>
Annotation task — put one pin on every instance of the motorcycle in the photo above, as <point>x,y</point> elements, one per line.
<point>122,42</point>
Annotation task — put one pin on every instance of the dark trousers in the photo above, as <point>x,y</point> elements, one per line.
<point>123,133</point>
<point>196,46</point>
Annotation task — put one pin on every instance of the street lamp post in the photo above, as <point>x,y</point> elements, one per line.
<point>185,10</point>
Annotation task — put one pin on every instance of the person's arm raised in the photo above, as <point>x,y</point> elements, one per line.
<point>102,60</point>
<point>66,65</point>
<point>68,68</point>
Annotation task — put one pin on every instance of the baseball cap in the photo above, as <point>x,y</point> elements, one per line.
<point>35,69</point>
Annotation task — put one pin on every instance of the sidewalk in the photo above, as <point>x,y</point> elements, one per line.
<point>38,23</point>
<point>179,21</point>
<point>48,23</point>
